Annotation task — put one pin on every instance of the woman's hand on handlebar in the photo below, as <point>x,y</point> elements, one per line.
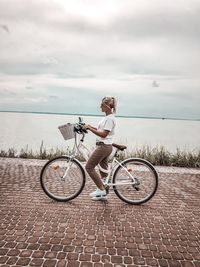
<point>86,126</point>
<point>82,128</point>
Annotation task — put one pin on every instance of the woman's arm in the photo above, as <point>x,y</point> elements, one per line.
<point>102,134</point>
<point>89,126</point>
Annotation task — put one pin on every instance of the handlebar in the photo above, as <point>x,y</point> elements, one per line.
<point>78,128</point>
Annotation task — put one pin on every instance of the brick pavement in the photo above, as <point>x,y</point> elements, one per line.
<point>36,231</point>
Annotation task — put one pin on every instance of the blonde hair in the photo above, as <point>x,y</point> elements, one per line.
<point>110,102</point>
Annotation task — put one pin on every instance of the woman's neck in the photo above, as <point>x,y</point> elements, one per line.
<point>108,112</point>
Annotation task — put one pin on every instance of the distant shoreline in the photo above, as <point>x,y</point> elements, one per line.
<point>96,115</point>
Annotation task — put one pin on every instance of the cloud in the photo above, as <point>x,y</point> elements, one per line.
<point>5,28</point>
<point>130,49</point>
<point>139,42</point>
<point>155,84</point>
<point>54,96</point>
<point>162,23</point>
<point>35,99</point>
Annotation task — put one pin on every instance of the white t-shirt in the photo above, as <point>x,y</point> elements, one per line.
<point>107,123</point>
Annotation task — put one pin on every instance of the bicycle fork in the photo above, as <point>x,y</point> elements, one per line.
<point>66,171</point>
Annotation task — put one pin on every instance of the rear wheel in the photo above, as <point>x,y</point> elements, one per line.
<point>136,181</point>
<point>62,178</point>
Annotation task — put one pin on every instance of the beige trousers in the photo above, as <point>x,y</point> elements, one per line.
<point>99,156</point>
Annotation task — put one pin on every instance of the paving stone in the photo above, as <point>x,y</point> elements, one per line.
<point>68,248</point>
<point>51,254</point>
<point>22,246</point>
<point>3,259</point>
<point>10,245</point>
<point>97,264</point>
<point>33,246</point>
<point>187,264</point>
<point>66,242</point>
<point>13,252</point>
<point>23,261</point>
<point>101,250</point>
<point>108,265</point>
<point>177,256</point>
<point>26,253</point>
<point>148,254</point>
<point>86,264</point>
<point>73,264</point>
<point>72,256</point>
<point>36,262</point>
<point>128,260</point>
<point>85,257</point>
<point>163,263</point>
<point>151,262</point>
<point>174,263</point>
<point>116,259</point>
<point>134,252</point>
<point>139,261</point>
<point>61,255</point>
<point>57,248</point>
<point>196,256</point>
<point>122,252</point>
<point>45,247</point>
<point>49,263</point>
<point>79,249</point>
<point>3,251</point>
<point>105,258</point>
<point>95,258</point>
<point>90,250</point>
<point>61,263</point>
<point>12,260</point>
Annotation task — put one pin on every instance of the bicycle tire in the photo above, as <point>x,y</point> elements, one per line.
<point>55,185</point>
<point>146,176</point>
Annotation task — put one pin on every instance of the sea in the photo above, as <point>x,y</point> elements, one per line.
<point>30,130</point>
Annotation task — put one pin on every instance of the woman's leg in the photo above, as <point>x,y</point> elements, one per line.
<point>104,165</point>
<point>100,153</point>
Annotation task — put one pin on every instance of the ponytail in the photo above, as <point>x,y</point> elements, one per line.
<point>114,105</point>
<point>110,102</point>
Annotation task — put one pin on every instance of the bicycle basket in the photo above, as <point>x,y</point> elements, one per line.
<point>67,131</point>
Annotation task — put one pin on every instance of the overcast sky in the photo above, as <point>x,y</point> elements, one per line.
<point>64,56</point>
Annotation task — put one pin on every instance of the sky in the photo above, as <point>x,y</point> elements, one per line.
<point>64,56</point>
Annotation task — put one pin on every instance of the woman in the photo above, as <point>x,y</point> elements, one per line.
<point>105,133</point>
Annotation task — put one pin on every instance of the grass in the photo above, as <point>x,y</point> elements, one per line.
<point>157,156</point>
<point>27,153</point>
<point>160,156</point>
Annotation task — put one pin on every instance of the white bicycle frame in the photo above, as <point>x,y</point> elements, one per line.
<point>85,152</point>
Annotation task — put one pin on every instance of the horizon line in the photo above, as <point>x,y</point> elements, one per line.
<point>98,115</point>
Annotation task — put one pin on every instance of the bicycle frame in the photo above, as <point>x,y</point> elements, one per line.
<point>85,152</point>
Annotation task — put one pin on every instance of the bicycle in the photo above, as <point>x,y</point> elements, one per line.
<point>134,180</point>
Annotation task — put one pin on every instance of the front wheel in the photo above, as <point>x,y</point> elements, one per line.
<point>62,178</point>
<point>135,181</point>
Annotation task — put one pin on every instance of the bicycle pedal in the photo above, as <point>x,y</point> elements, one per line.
<point>107,187</point>
<point>136,188</point>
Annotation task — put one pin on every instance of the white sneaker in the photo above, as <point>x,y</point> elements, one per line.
<point>98,193</point>
<point>99,198</point>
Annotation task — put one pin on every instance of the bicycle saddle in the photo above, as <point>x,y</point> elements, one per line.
<point>120,147</point>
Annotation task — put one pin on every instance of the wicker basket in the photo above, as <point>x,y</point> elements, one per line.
<point>67,131</point>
